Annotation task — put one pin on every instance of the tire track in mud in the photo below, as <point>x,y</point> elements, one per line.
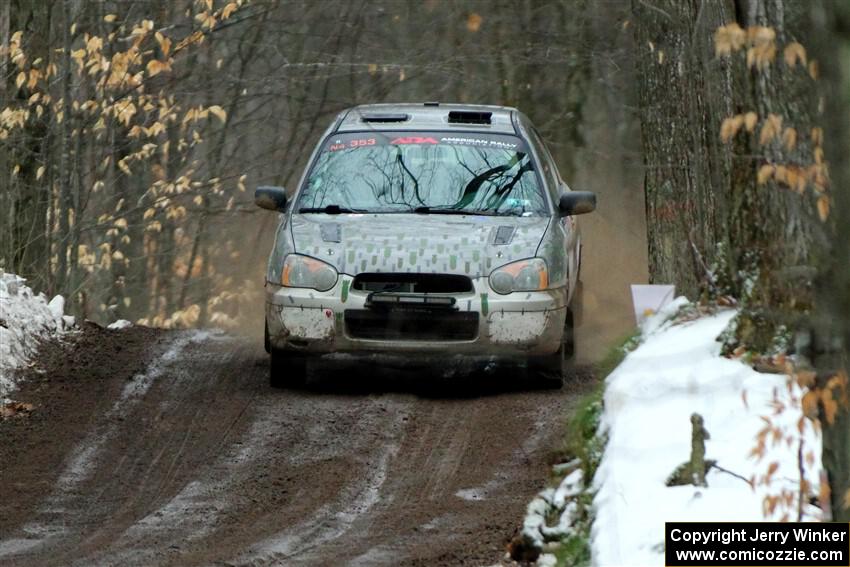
<point>201,463</point>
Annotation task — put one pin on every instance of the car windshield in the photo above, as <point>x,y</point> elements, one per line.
<point>426,172</point>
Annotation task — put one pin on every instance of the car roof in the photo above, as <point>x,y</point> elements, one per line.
<point>428,116</point>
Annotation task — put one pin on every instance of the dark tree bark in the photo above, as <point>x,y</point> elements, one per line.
<point>683,96</point>
<point>831,323</point>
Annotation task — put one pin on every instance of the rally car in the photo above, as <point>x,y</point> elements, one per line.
<point>425,229</point>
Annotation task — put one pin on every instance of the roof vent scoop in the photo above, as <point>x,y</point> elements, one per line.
<point>469,117</point>
<point>385,117</point>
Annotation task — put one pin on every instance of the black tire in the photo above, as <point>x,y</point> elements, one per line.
<point>551,370</point>
<point>287,370</point>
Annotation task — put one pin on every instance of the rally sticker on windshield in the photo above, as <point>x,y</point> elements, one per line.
<point>359,140</point>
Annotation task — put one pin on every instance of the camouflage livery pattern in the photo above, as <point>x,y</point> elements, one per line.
<point>466,245</point>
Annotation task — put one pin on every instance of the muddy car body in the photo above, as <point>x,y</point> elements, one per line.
<point>425,230</point>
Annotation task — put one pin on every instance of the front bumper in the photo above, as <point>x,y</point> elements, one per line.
<point>514,325</point>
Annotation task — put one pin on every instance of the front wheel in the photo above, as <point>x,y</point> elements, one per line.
<point>287,370</point>
<point>551,369</point>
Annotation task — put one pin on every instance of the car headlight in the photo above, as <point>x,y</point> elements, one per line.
<point>525,275</point>
<point>303,271</point>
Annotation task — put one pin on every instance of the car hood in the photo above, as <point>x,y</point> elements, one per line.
<point>471,246</point>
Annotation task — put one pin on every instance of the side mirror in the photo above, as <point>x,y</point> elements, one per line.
<point>576,203</point>
<point>270,197</point>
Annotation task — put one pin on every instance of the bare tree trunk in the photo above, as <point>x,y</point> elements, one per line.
<point>683,96</point>
<point>831,345</point>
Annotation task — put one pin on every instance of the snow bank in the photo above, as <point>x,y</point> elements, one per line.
<point>648,402</point>
<point>24,317</point>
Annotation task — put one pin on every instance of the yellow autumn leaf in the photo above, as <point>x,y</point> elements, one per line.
<point>750,121</point>
<point>789,138</point>
<point>793,53</point>
<point>770,129</point>
<point>228,10</point>
<point>823,207</point>
<point>218,112</point>
<point>39,173</point>
<point>155,67</point>
<point>765,173</point>
<point>164,43</point>
<point>120,223</point>
<point>730,127</point>
<point>817,136</point>
<point>20,79</point>
<point>117,256</point>
<point>198,200</point>
<point>792,179</point>
<point>814,71</point>
<point>728,38</point>
<point>109,18</point>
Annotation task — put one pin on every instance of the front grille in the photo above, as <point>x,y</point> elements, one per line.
<point>411,325</point>
<point>412,283</point>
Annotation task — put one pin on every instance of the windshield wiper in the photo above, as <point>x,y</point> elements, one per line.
<point>329,210</point>
<point>449,211</point>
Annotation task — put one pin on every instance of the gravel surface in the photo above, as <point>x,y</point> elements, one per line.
<point>151,447</point>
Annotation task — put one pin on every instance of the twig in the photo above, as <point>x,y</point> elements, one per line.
<point>736,475</point>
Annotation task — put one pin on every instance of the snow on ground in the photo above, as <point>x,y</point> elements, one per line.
<point>24,317</point>
<point>649,399</point>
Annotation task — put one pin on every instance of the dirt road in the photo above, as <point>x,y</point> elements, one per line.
<point>168,448</point>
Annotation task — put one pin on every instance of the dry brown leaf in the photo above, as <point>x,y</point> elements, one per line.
<point>772,468</point>
<point>830,406</point>
<point>810,458</point>
<point>473,22</point>
<point>805,378</point>
<point>728,38</point>
<point>814,71</point>
<point>765,173</point>
<point>809,404</point>
<point>730,127</point>
<point>770,129</point>
<point>847,499</point>
<point>750,121</point>
<point>817,136</point>
<point>760,35</point>
<point>789,138</point>
<point>823,207</point>
<point>793,53</point>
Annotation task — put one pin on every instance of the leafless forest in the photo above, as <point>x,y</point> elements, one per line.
<point>134,132</point>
